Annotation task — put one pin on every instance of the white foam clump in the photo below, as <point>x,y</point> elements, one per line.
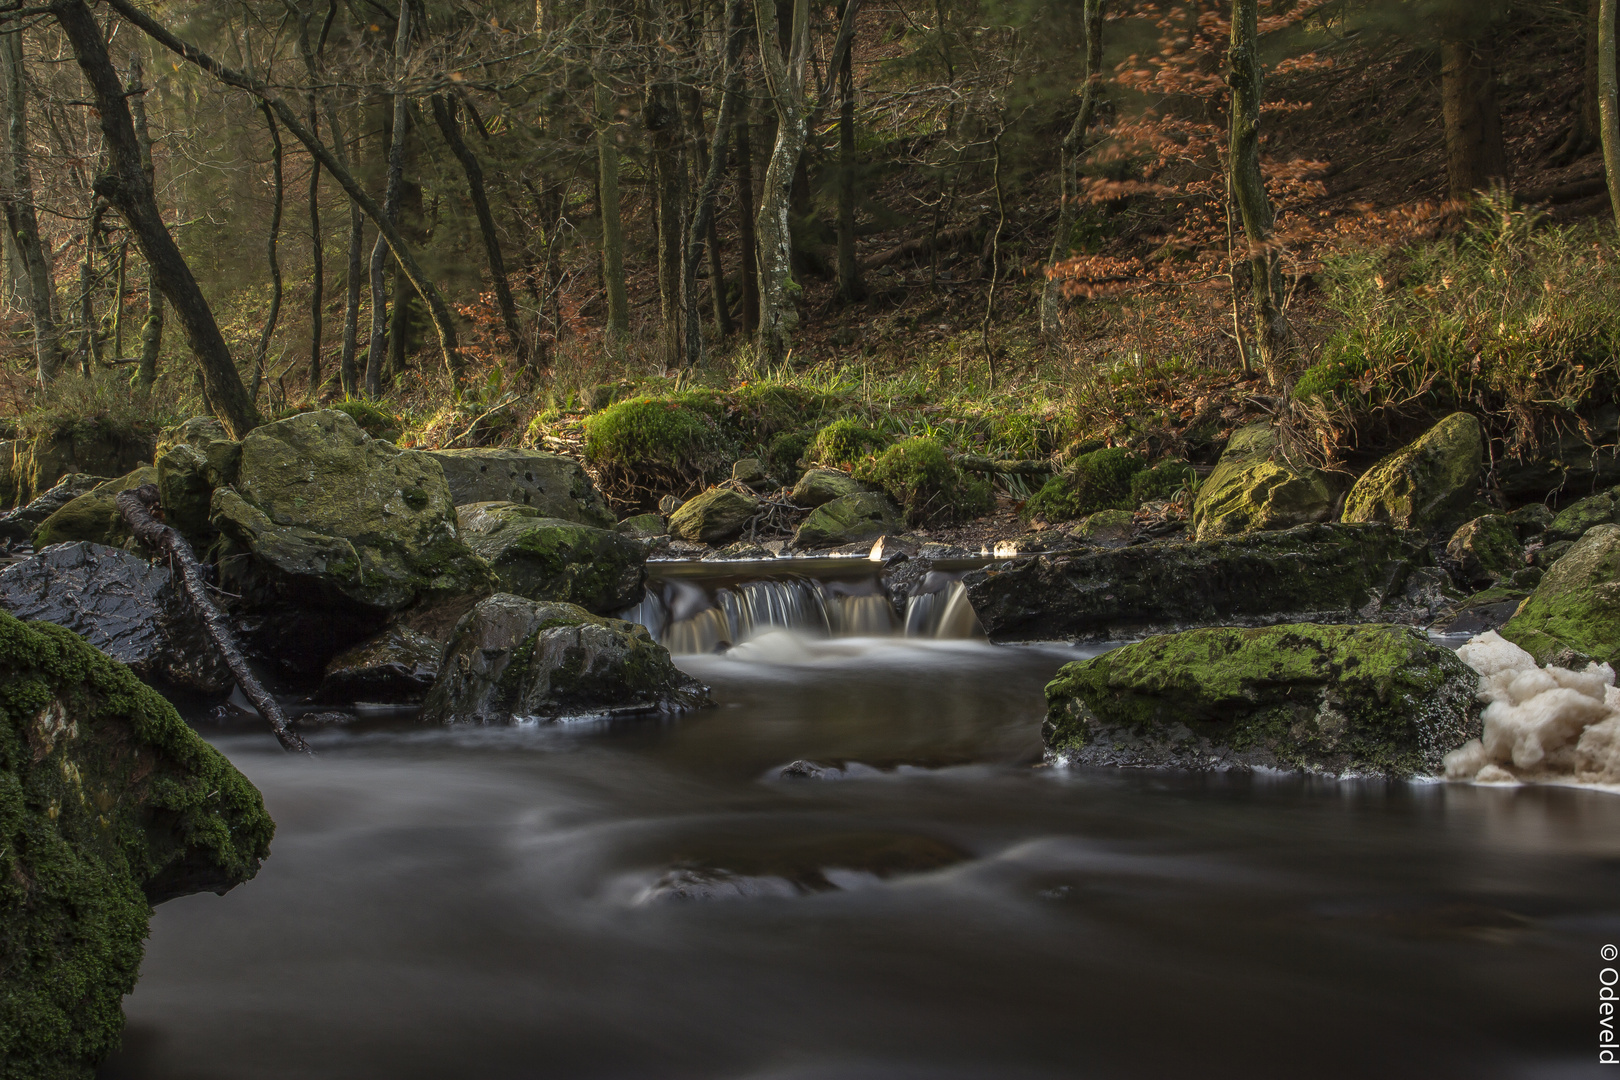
<point>1545,724</point>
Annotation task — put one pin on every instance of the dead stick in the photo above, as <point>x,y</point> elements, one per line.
<point>136,508</point>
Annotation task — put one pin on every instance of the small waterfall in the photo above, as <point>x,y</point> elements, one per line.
<point>686,617</point>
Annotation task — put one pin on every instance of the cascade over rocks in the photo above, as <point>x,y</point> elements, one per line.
<point>123,605</point>
<point>1329,699</point>
<point>716,515</point>
<point>329,531</point>
<point>1426,485</point>
<point>1574,614</point>
<point>849,519</point>
<point>1328,572</point>
<point>1250,490</point>
<point>514,659</point>
<point>555,486</point>
<point>109,803</point>
<point>543,558</point>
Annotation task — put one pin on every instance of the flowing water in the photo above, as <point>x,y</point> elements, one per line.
<point>916,900</point>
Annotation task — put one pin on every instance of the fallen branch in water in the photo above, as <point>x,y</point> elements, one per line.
<point>136,508</point>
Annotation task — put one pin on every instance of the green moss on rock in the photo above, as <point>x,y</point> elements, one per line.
<point>94,515</point>
<point>543,558</point>
<point>1574,614</point>
<point>717,515</point>
<point>848,519</point>
<point>844,442</point>
<point>930,488</point>
<point>108,803</point>
<point>1251,490</point>
<point>661,442</point>
<point>1486,549</point>
<point>1098,480</point>
<point>1427,485</point>
<point>819,486</point>
<point>1572,521</point>
<point>1333,699</point>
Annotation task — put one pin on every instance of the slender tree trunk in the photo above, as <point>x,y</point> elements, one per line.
<point>661,117</point>
<point>152,328</point>
<point>1608,107</point>
<point>711,233</point>
<point>118,302</point>
<point>444,114</point>
<point>260,356</point>
<point>1070,155</point>
<point>396,178</point>
<point>607,159</point>
<point>849,271</point>
<point>1248,185</point>
<point>348,358</point>
<point>746,240</point>
<point>702,224</point>
<point>89,342</point>
<point>784,77</point>
<point>317,258</point>
<point>21,223</point>
<point>1475,156</point>
<point>126,187</point>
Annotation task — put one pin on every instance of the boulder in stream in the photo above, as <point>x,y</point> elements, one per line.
<point>718,514</point>
<point>848,519</point>
<point>1574,614</point>
<point>1252,489</point>
<point>109,804</point>
<point>1328,572</point>
<point>397,666</point>
<point>123,605</point>
<point>516,659</point>
<point>543,558</point>
<point>1427,485</point>
<point>94,515</point>
<point>554,485</point>
<point>1345,700</point>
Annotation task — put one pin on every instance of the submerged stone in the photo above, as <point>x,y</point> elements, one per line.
<point>1426,485</point>
<point>398,665</point>
<point>718,514</point>
<point>1328,572</point>
<point>849,519</point>
<point>1250,490</point>
<point>109,803</point>
<point>554,485</point>
<point>514,659</point>
<point>1574,614</point>
<point>542,558</point>
<point>123,605</point>
<point>1329,699</point>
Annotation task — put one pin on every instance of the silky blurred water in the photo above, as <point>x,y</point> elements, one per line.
<point>653,899</point>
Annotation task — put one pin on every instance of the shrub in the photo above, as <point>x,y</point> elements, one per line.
<point>785,453</point>
<point>927,484</point>
<point>844,442</point>
<point>1099,480</point>
<point>377,422</point>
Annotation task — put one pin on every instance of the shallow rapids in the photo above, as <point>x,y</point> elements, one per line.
<point>656,899</point>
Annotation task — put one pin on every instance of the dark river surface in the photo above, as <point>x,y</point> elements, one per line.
<point>654,900</point>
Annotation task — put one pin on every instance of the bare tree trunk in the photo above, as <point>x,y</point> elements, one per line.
<point>89,342</point>
<point>152,328</point>
<point>1070,155</point>
<point>396,178</point>
<point>607,159</point>
<point>849,271</point>
<point>745,227</point>
<point>259,357</point>
<point>126,187</point>
<point>702,225</point>
<point>784,78</point>
<point>1608,107</point>
<point>444,114</point>
<point>1475,156</point>
<point>21,223</point>
<point>317,258</point>
<point>711,234</point>
<point>1265,268</point>
<point>661,117</point>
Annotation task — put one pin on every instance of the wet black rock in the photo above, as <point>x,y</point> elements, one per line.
<point>123,605</point>
<point>397,666</point>
<point>1320,572</point>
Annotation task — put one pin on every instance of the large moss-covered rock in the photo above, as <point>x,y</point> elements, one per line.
<point>1574,614</point>
<point>17,526</point>
<point>717,515</point>
<point>818,487</point>
<point>1251,489</point>
<point>554,485</point>
<point>329,531</point>
<point>515,659</point>
<point>94,515</point>
<point>849,519</point>
<point>1427,485</point>
<point>123,605</point>
<point>1573,520</point>
<point>543,558</point>
<point>1334,699</point>
<point>96,448</point>
<point>193,460</point>
<point>399,665</point>
<point>1325,572</point>
<point>109,803</point>
<point>1486,549</point>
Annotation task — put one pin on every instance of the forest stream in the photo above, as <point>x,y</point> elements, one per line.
<point>856,866</point>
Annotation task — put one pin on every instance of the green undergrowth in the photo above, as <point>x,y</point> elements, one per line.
<point>931,489</point>
<point>1099,480</point>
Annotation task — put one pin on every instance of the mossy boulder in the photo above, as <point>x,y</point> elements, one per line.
<point>1251,489</point>
<point>1326,572</point>
<point>397,666</point>
<point>329,531</point>
<point>1108,528</point>
<point>1573,520</point>
<point>18,525</point>
<point>516,659</point>
<point>554,485</point>
<point>751,471</point>
<point>1327,699</point>
<point>1486,549</point>
<point>844,442</point>
<point>94,515</point>
<point>663,443</point>
<point>541,558</point>
<point>717,515</point>
<point>1092,481</point>
<point>1530,522</point>
<point>109,803</point>
<point>187,475</point>
<point>1574,614</point>
<point>642,526</point>
<point>929,487</point>
<point>1427,485</point>
<point>819,486</point>
<point>848,519</point>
